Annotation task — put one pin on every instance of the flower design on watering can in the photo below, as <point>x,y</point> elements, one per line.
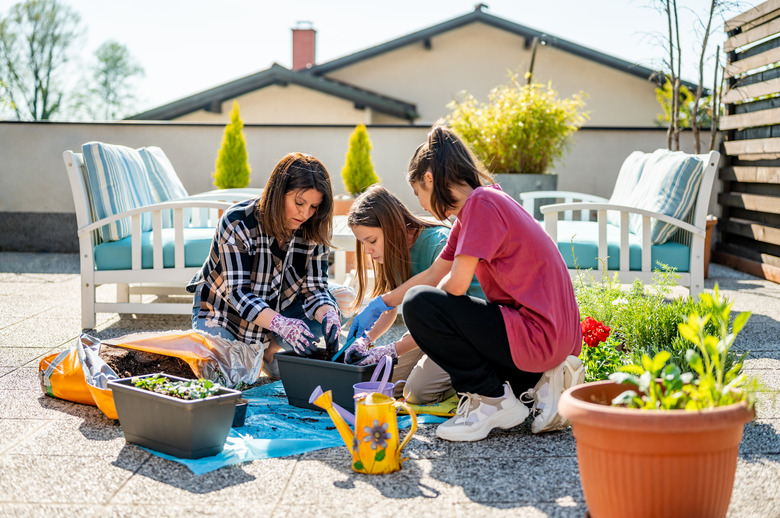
<point>377,435</point>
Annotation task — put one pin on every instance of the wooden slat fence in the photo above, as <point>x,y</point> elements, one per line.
<point>749,227</point>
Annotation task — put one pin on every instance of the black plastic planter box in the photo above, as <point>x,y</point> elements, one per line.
<point>183,428</point>
<point>300,376</point>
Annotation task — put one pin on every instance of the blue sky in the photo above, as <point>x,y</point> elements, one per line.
<point>186,46</point>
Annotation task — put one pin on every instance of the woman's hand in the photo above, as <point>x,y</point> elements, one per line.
<point>366,319</point>
<point>331,329</point>
<point>296,332</point>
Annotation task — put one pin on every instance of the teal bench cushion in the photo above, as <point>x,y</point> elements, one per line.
<point>115,255</point>
<point>583,236</point>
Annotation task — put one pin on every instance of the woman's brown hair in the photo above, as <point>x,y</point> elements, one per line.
<point>379,208</point>
<point>450,162</point>
<point>295,172</point>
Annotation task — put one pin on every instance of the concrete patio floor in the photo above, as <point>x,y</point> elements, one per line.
<point>63,459</point>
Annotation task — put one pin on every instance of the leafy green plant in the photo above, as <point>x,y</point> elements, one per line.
<point>232,167</point>
<point>522,128</point>
<point>358,172</point>
<point>192,389</point>
<point>712,383</point>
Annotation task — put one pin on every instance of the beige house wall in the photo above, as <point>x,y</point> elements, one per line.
<point>474,58</point>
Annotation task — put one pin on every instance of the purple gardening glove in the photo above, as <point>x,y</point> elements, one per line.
<point>296,332</point>
<point>375,354</point>
<point>366,319</point>
<point>331,329</point>
<point>358,350</point>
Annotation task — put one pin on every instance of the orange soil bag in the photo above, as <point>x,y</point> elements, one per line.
<point>81,376</point>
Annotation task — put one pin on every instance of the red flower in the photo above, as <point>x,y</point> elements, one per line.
<point>593,331</point>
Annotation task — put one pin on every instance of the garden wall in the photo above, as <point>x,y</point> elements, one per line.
<point>750,222</point>
<point>36,206</point>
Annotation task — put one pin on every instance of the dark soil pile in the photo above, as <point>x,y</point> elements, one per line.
<point>129,362</point>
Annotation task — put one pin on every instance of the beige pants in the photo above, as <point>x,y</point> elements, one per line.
<point>427,382</point>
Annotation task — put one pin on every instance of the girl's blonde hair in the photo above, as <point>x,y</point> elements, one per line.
<point>294,172</point>
<point>379,208</point>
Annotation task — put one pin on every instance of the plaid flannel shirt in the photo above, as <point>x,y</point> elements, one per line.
<point>242,276</point>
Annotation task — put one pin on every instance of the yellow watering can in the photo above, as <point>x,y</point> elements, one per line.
<point>375,444</point>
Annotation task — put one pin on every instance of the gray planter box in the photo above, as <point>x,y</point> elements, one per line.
<point>183,428</point>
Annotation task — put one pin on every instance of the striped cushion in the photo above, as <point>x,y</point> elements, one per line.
<point>117,182</point>
<point>163,179</point>
<point>669,185</point>
<point>625,185</point>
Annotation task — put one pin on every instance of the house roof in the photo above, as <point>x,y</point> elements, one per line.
<point>211,100</point>
<point>477,15</point>
<point>314,77</point>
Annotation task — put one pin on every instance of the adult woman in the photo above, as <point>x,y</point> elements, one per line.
<point>265,279</point>
<point>526,337</point>
<point>397,245</point>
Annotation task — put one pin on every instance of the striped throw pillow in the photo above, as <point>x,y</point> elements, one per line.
<point>116,182</point>
<point>625,185</point>
<point>163,180</point>
<point>669,185</point>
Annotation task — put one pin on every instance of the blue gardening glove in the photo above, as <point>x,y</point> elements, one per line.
<point>366,319</point>
<point>374,354</point>
<point>331,327</point>
<point>296,332</point>
<point>358,350</point>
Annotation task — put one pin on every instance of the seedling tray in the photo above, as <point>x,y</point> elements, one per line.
<point>300,376</point>
<point>183,428</point>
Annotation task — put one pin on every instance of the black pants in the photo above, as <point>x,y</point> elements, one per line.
<point>466,337</point>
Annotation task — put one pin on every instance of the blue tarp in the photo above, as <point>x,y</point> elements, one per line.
<point>274,428</point>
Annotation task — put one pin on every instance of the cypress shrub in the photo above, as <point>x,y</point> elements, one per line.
<point>358,172</point>
<point>232,167</point>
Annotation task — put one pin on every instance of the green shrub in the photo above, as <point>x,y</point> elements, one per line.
<point>358,172</point>
<point>644,321</point>
<point>232,168</point>
<point>521,128</point>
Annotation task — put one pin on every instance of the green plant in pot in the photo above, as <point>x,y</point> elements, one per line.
<point>653,441</point>
<point>232,166</point>
<point>521,130</point>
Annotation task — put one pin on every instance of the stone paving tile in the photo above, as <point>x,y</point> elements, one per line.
<point>96,436</point>
<point>761,436</point>
<point>79,479</point>
<point>34,332</point>
<point>163,481</point>
<point>518,479</point>
<point>518,441</point>
<point>756,489</point>
<point>34,404</point>
<point>22,378</point>
<point>14,431</point>
<point>317,483</point>
<point>13,356</point>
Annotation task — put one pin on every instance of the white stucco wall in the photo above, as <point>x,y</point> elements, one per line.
<point>33,176</point>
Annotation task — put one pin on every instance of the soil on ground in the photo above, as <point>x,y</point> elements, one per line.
<point>129,362</point>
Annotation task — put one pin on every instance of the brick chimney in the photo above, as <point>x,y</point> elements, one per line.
<point>304,39</point>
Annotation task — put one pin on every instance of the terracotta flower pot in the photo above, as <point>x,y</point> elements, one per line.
<point>643,463</point>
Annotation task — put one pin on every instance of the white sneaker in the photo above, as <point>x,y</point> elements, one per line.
<point>547,393</point>
<point>477,415</point>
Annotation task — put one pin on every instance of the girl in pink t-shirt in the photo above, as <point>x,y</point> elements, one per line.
<point>524,340</point>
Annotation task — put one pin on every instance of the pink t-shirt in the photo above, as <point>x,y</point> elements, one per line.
<point>520,269</point>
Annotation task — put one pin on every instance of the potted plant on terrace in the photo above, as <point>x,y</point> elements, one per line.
<point>654,441</point>
<point>519,132</point>
<point>181,417</point>
<point>358,175</point>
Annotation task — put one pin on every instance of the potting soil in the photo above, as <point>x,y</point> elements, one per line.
<point>274,428</point>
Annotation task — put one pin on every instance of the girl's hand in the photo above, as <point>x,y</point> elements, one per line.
<point>375,354</point>
<point>358,350</point>
<point>366,319</point>
<point>331,327</point>
<point>296,332</point>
